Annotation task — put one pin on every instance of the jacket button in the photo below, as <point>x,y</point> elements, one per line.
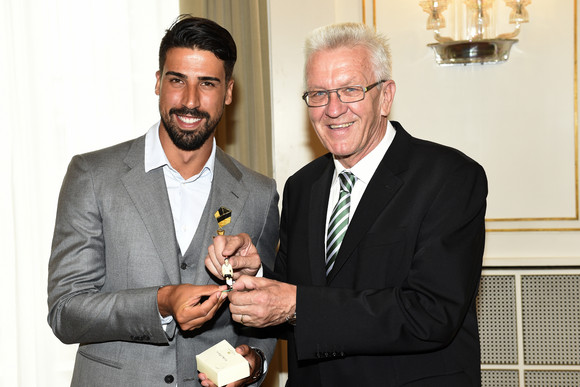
<point>183,266</point>
<point>169,379</point>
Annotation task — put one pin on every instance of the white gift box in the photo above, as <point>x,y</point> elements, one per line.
<point>222,364</point>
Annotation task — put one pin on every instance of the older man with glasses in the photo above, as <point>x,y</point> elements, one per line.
<point>381,239</point>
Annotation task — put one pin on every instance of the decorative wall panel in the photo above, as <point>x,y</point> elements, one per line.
<point>529,323</point>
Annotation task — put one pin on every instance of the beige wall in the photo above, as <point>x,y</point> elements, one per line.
<point>517,118</point>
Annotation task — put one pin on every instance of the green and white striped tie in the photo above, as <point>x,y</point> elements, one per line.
<point>339,219</point>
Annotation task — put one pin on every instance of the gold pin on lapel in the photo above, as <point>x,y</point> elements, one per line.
<point>223,217</point>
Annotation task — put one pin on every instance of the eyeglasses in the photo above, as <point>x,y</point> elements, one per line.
<point>347,94</point>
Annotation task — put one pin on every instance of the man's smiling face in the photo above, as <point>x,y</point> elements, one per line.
<point>192,93</point>
<point>348,130</point>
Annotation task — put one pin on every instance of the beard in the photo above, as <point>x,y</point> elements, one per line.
<point>189,140</point>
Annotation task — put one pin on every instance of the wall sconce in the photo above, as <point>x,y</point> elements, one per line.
<point>476,44</point>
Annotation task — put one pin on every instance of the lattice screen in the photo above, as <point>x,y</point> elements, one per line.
<point>529,325</point>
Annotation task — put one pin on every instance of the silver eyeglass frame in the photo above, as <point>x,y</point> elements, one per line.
<point>306,94</point>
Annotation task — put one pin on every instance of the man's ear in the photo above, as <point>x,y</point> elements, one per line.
<point>388,90</point>
<point>229,92</point>
<point>158,82</point>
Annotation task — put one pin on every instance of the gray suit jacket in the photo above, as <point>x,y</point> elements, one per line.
<point>114,245</point>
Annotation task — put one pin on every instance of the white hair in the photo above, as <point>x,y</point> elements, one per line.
<point>351,35</point>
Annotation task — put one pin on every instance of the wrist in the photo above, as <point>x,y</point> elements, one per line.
<point>258,370</point>
<point>291,319</point>
<point>163,304</point>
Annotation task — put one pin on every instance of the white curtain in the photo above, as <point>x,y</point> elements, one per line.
<point>75,76</point>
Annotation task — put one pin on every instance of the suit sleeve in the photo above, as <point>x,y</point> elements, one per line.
<point>79,311</point>
<point>266,243</point>
<point>428,307</point>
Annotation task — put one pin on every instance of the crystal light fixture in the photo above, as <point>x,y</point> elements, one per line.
<point>477,45</point>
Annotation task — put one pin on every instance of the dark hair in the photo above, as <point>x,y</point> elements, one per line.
<point>204,34</point>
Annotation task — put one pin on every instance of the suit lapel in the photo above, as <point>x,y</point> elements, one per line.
<point>383,186</point>
<point>149,194</point>
<point>319,192</point>
<point>227,191</point>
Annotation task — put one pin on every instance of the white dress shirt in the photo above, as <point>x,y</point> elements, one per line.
<point>363,170</point>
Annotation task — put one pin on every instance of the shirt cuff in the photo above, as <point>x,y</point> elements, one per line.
<point>165,321</point>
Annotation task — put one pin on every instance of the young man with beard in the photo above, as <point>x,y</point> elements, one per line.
<point>126,274</point>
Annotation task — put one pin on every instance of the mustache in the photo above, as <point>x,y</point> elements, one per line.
<point>195,112</point>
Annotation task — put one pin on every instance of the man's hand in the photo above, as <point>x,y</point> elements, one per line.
<point>184,303</point>
<point>255,367</point>
<point>261,302</point>
<point>240,251</point>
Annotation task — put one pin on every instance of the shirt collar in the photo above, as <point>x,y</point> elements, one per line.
<point>366,167</point>
<point>155,155</point>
